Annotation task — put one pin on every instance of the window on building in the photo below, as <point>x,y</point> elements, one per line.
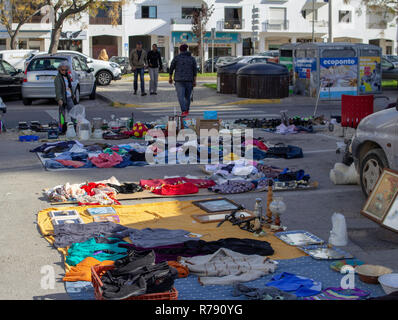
<point>187,12</point>
<point>150,12</point>
<point>233,18</point>
<point>310,14</point>
<point>345,16</point>
<point>102,16</point>
<point>3,44</point>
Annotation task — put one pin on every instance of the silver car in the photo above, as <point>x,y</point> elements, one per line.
<point>38,82</point>
<point>375,146</point>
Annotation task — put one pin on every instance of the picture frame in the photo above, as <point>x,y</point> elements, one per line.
<point>382,196</point>
<point>390,220</point>
<point>67,220</point>
<point>217,205</point>
<point>63,214</point>
<point>220,216</point>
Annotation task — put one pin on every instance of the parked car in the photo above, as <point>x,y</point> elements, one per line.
<point>33,54</point>
<point>221,61</point>
<point>165,65</point>
<point>392,59</point>
<point>104,71</point>
<point>208,64</point>
<point>123,63</point>
<point>38,81</point>
<point>273,55</point>
<point>388,70</point>
<point>10,80</point>
<point>198,63</point>
<point>375,147</point>
<point>251,59</point>
<point>16,57</point>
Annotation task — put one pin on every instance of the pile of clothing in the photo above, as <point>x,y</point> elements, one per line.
<point>73,154</point>
<point>100,192</point>
<point>176,185</point>
<point>244,176</point>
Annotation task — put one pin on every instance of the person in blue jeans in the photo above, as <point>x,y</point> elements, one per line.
<point>138,62</point>
<point>184,68</point>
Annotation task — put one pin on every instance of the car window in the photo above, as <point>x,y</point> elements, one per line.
<point>83,63</point>
<point>385,64</point>
<point>9,68</point>
<point>2,71</point>
<point>76,64</point>
<point>45,64</point>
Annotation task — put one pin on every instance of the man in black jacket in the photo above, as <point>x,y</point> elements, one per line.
<point>154,66</point>
<point>185,68</point>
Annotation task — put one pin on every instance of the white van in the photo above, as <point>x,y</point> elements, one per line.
<point>16,57</point>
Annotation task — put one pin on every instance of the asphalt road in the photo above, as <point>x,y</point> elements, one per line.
<point>26,257</point>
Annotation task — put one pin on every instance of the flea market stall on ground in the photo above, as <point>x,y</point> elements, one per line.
<point>331,70</point>
<point>178,249</point>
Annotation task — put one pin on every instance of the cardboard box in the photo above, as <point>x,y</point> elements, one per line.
<point>207,125</point>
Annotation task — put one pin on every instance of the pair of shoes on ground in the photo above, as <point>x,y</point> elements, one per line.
<point>137,274</point>
<point>153,93</point>
<point>142,94</point>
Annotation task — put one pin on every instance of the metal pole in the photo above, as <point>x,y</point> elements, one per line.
<point>212,56</point>
<point>313,20</point>
<point>330,21</point>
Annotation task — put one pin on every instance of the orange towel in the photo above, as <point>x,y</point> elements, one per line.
<point>82,271</point>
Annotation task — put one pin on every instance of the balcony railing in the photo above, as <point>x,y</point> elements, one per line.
<point>104,20</point>
<point>376,25</point>
<point>272,25</point>
<point>231,24</point>
<point>181,21</point>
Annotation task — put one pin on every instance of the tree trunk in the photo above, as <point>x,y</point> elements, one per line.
<point>13,41</point>
<point>55,35</point>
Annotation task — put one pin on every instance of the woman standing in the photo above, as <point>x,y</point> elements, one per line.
<point>64,95</point>
<point>103,55</point>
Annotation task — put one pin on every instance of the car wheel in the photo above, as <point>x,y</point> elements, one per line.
<point>77,94</point>
<point>27,102</point>
<point>104,78</point>
<point>371,168</point>
<point>94,92</point>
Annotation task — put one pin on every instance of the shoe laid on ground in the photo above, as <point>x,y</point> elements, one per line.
<point>127,290</point>
<point>131,256</point>
<point>185,114</point>
<point>134,263</point>
<point>143,94</point>
<point>152,93</point>
<point>155,93</point>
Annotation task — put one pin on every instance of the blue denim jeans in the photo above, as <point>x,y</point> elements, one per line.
<point>184,92</point>
<point>142,73</point>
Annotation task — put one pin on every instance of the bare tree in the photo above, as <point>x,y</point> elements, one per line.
<point>200,18</point>
<point>17,12</point>
<point>72,10</point>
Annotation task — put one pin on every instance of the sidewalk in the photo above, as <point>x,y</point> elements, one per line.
<point>120,94</point>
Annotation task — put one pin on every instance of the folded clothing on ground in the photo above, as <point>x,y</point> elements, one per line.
<point>149,238</point>
<point>101,251</point>
<point>300,286</point>
<point>226,267</point>
<point>193,248</point>
<point>267,293</point>
<point>67,234</point>
<point>82,271</point>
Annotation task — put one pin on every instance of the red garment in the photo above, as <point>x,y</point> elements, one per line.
<point>90,186</point>
<point>105,160</point>
<point>156,183</point>
<point>178,189</point>
<point>71,163</point>
<point>257,143</point>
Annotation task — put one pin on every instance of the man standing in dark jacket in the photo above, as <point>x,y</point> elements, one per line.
<point>138,62</point>
<point>155,65</point>
<point>184,68</point>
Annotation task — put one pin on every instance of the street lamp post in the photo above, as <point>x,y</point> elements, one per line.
<point>213,35</point>
<point>313,20</point>
<point>330,39</point>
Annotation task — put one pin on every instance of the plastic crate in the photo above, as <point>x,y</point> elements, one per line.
<point>98,271</point>
<point>354,109</point>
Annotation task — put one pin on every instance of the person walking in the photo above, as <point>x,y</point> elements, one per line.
<point>138,62</point>
<point>184,68</point>
<point>103,55</point>
<point>64,95</point>
<point>154,65</point>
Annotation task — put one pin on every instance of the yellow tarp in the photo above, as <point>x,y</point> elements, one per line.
<point>170,215</point>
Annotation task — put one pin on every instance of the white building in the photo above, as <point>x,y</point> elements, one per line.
<point>168,23</point>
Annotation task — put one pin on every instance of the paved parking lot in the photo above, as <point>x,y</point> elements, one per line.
<point>25,252</point>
